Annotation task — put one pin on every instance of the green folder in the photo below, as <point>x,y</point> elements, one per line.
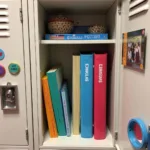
<point>55,83</point>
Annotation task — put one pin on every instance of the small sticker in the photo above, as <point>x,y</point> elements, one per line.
<point>2,71</point>
<point>2,54</point>
<point>14,68</point>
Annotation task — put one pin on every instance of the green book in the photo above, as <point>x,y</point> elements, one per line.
<point>55,83</point>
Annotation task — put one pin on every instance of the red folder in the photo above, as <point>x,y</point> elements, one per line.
<point>100,79</point>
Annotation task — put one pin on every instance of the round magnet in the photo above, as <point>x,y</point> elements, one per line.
<point>14,68</point>
<point>2,71</point>
<point>2,54</point>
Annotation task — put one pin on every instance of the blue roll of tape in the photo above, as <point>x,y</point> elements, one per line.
<point>131,134</point>
<point>148,138</point>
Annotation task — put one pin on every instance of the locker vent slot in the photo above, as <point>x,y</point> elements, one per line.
<point>3,6</point>
<point>137,6</point>
<point>135,3</point>
<point>4,21</point>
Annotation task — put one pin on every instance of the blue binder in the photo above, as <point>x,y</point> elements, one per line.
<point>86,95</point>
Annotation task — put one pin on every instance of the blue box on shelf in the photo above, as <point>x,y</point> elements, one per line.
<point>76,36</point>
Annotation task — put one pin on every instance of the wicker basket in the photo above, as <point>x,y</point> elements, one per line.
<point>97,29</point>
<point>60,25</point>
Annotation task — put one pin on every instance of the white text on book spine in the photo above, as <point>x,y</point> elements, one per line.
<point>86,72</point>
<point>100,73</point>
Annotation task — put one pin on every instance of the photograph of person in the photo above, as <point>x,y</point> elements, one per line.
<point>135,54</point>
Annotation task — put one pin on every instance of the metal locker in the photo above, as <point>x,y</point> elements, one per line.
<point>134,93</point>
<point>13,91</point>
<point>129,90</point>
<point>46,52</point>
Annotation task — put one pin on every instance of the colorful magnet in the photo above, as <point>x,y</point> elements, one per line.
<point>14,68</point>
<point>2,71</point>
<point>2,54</point>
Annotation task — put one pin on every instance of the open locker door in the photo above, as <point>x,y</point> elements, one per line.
<point>13,117</point>
<point>135,93</point>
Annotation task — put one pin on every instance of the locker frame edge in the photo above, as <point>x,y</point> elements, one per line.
<point>34,43</point>
<point>27,69</point>
<point>32,30</point>
<point>118,62</point>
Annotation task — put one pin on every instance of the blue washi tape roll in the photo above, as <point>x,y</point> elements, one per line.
<point>131,134</point>
<point>148,138</point>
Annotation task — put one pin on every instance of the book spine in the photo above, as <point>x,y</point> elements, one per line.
<point>66,112</point>
<point>100,75</point>
<point>86,96</point>
<point>86,37</point>
<point>49,109</point>
<point>53,79</point>
<point>54,37</point>
<point>76,95</point>
<point>76,36</point>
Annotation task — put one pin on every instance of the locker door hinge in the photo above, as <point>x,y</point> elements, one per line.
<point>116,136</point>
<point>21,15</point>
<point>119,11</point>
<point>27,135</point>
<point>119,7</point>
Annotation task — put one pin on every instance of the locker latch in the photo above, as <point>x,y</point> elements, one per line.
<point>8,96</point>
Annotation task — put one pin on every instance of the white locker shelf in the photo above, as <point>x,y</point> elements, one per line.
<point>75,141</point>
<point>113,41</point>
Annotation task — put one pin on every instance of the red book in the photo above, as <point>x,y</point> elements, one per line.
<point>100,76</point>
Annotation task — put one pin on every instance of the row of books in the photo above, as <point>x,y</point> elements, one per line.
<point>89,95</point>
<point>88,98</point>
<point>56,100</point>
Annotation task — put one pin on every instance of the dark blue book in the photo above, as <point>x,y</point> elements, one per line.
<point>86,95</point>
<point>66,108</point>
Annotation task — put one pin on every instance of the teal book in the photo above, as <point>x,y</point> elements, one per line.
<point>55,84</point>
